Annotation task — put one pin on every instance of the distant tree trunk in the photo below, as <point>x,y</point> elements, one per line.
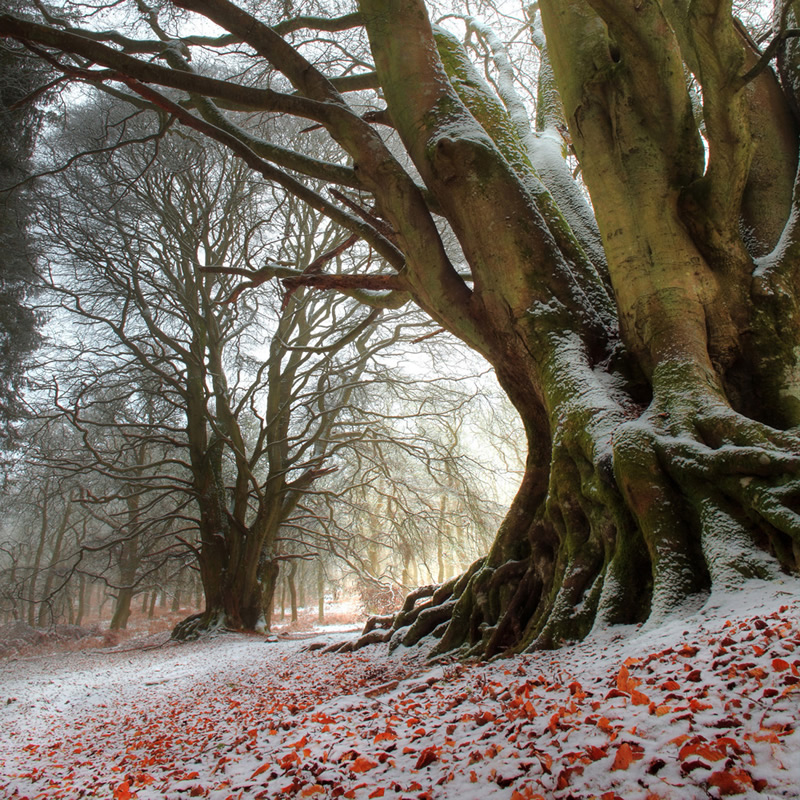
<point>82,600</point>
<point>440,531</point>
<point>198,591</point>
<point>301,585</point>
<point>44,524</point>
<point>320,592</point>
<point>129,564</point>
<point>104,598</point>
<point>176,597</point>
<point>69,605</point>
<point>270,570</point>
<point>405,577</point>
<point>122,609</point>
<point>290,580</point>
<point>46,603</point>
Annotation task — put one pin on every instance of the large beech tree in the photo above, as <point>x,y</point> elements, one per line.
<point>204,440</point>
<point>648,340</point>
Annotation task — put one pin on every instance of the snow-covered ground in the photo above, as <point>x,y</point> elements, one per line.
<point>703,706</point>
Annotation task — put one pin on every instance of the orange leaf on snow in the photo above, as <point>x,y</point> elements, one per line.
<point>300,743</point>
<point>622,679</point>
<point>771,737</point>
<point>779,665</point>
<point>703,750</point>
<point>623,758</point>
<point>379,792</point>
<point>526,794</point>
<point>639,698</point>
<point>546,761</point>
<point>604,724</point>
<point>565,776</point>
<point>260,771</point>
<point>123,791</point>
<point>363,764</point>
<point>554,722</point>
<point>427,756</point>
<point>596,753</point>
<point>310,791</point>
<point>735,781</point>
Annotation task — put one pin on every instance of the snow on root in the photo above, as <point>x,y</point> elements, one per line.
<point>704,706</point>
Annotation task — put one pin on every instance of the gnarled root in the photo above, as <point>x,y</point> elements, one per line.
<point>414,621</point>
<point>196,625</point>
<point>698,496</point>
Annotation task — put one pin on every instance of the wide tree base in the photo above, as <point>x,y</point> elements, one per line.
<point>693,504</point>
<point>195,625</point>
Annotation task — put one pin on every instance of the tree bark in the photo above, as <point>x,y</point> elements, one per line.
<point>671,462</point>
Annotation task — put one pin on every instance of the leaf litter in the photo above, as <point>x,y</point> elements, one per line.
<point>704,705</point>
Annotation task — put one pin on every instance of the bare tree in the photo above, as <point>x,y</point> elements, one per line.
<point>146,250</point>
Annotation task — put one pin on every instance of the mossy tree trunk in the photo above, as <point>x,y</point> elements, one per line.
<point>659,399</point>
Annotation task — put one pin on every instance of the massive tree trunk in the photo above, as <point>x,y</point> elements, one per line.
<point>658,386</point>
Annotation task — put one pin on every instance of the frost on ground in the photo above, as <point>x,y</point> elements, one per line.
<point>702,706</point>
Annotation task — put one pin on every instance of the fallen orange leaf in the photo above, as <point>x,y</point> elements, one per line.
<point>731,782</point>
<point>363,764</point>
<point>639,698</point>
<point>260,771</point>
<point>622,679</point>
<point>623,758</point>
<point>123,791</point>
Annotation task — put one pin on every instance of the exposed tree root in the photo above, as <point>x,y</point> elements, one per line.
<point>699,497</point>
<point>195,625</point>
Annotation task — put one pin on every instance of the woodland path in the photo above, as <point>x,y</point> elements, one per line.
<point>705,705</point>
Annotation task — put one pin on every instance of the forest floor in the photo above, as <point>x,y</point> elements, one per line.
<point>705,705</point>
